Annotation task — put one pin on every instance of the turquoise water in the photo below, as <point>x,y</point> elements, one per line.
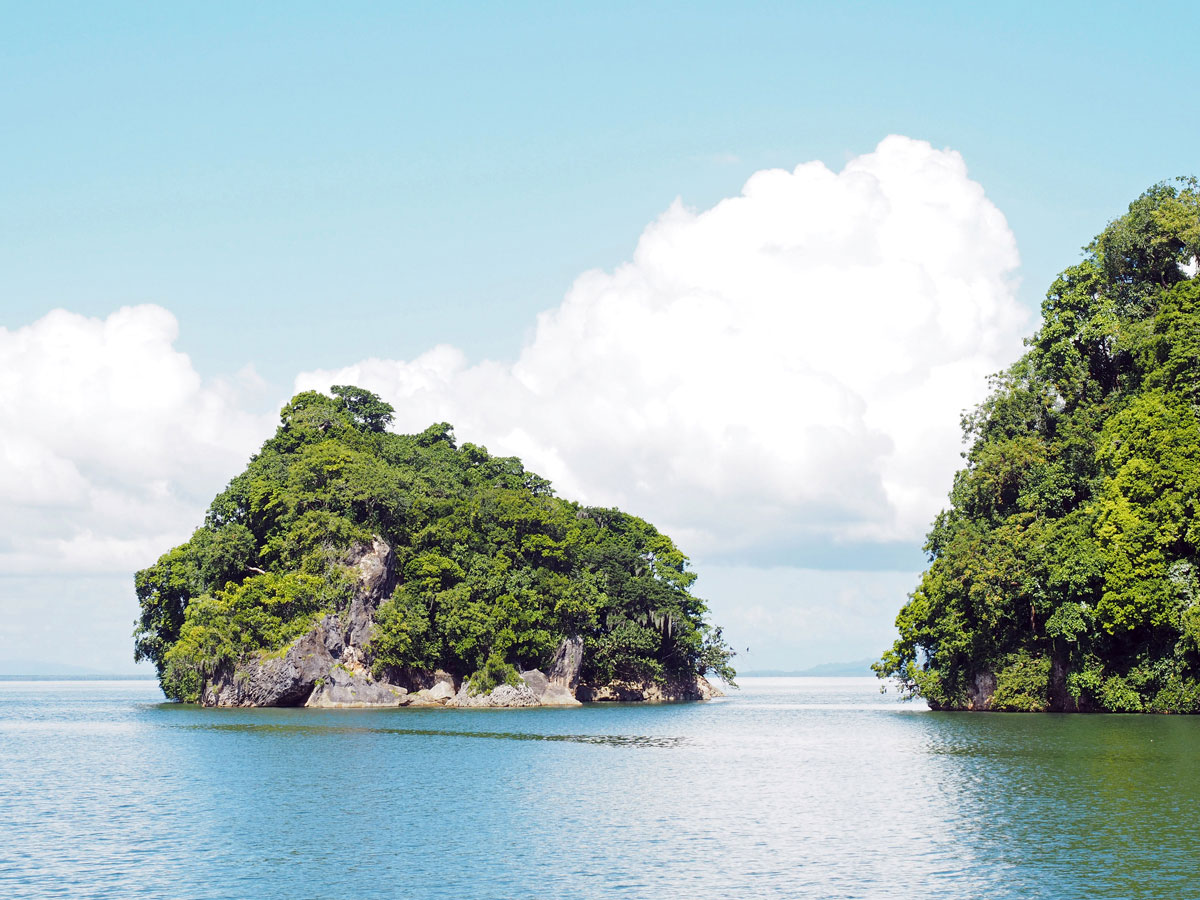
<point>790,788</point>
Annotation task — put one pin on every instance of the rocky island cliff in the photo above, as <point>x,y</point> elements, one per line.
<point>349,566</point>
<point>1065,574</point>
<point>330,665</point>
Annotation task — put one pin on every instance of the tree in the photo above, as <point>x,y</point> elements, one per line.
<point>493,569</point>
<point>366,410</point>
<point>1065,568</point>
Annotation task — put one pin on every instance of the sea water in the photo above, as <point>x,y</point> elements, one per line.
<point>791,788</point>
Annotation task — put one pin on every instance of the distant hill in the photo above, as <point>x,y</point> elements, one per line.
<point>854,669</point>
<point>34,668</point>
<point>37,669</point>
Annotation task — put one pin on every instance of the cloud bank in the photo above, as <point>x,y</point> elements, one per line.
<point>774,381</point>
<point>112,444</point>
<point>785,369</point>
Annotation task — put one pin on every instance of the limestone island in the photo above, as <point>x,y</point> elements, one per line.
<point>1065,574</point>
<point>350,566</point>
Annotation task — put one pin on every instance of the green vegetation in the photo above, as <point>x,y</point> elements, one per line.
<point>493,570</point>
<point>1068,565</point>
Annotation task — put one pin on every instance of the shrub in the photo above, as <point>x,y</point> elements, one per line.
<point>1023,683</point>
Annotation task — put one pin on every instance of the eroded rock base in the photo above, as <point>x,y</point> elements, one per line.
<point>327,668</point>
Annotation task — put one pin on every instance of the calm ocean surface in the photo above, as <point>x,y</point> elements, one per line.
<point>792,787</point>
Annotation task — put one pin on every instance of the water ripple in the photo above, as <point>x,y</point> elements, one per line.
<point>613,740</point>
<point>791,788</point>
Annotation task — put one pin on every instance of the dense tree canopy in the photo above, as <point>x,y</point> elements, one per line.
<point>1067,567</point>
<point>493,569</point>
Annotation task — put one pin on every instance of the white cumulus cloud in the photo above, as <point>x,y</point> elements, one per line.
<point>111,444</point>
<point>786,367</point>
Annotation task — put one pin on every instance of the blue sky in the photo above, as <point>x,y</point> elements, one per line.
<point>372,180</point>
<point>305,186</point>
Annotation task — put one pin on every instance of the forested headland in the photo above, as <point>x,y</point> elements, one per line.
<point>1065,574</point>
<point>401,556</point>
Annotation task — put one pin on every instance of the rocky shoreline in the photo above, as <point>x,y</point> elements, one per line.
<point>980,695</point>
<point>327,667</point>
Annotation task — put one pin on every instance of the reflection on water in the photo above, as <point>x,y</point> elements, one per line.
<point>615,740</point>
<point>788,788</point>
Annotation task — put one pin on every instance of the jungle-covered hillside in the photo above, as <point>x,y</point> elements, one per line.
<point>1066,572</point>
<point>492,570</point>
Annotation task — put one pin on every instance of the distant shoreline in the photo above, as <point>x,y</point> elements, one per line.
<point>97,677</point>
<point>859,668</point>
<point>771,673</point>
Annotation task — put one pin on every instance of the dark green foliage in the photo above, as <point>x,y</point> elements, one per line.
<point>495,671</point>
<point>365,408</point>
<point>1072,543</point>
<point>262,612</point>
<point>213,557</point>
<point>1022,683</point>
<point>493,569</point>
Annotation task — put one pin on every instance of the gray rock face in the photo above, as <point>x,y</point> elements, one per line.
<point>503,695</point>
<point>568,660</point>
<point>547,692</point>
<point>981,693</point>
<point>326,666</point>
<point>648,691</point>
<point>536,682</point>
<point>440,691</point>
<point>375,565</point>
<point>275,681</point>
<point>343,688</point>
<point>556,695</point>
